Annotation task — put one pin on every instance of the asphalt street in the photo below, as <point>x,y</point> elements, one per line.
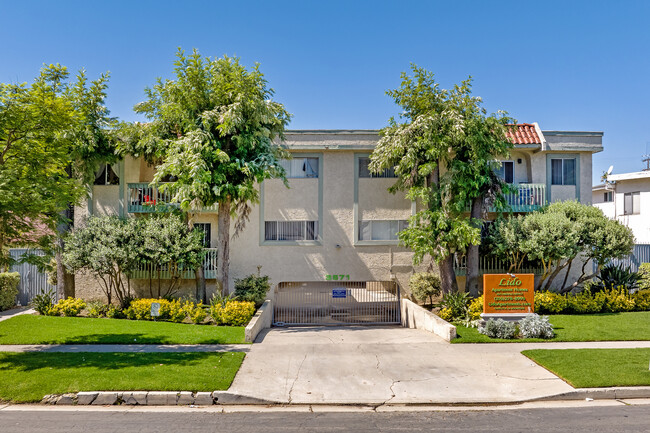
<point>592,419</point>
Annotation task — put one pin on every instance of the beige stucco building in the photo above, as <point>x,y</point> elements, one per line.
<point>337,219</point>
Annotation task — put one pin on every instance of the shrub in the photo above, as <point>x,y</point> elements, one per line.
<point>644,276</point>
<point>445,314</point>
<point>252,288</point>
<point>115,312</point>
<point>617,300</point>
<point>457,303</point>
<point>586,303</point>
<point>96,309</point>
<point>235,313</point>
<point>476,308</point>
<point>140,309</point>
<point>536,326</point>
<point>550,302</point>
<point>8,289</point>
<point>196,312</point>
<point>618,276</point>
<point>642,300</point>
<point>499,329</point>
<point>70,307</point>
<point>172,311</point>
<point>43,302</point>
<point>425,285</point>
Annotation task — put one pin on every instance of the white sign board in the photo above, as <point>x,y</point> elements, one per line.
<point>155,309</point>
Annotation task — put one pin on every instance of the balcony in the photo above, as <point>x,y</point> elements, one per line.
<point>528,197</point>
<point>209,269</point>
<point>489,265</point>
<point>143,198</point>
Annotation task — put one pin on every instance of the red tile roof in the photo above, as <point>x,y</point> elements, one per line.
<point>524,133</point>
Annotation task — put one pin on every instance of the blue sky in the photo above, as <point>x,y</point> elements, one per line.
<point>569,65</point>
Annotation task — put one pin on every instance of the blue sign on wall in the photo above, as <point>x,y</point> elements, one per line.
<point>339,293</point>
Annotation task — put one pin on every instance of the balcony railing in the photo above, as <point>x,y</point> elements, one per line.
<point>143,198</point>
<point>490,265</point>
<point>527,198</point>
<point>209,269</point>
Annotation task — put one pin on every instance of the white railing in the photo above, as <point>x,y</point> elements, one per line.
<point>148,270</point>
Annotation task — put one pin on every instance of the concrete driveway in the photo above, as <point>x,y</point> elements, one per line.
<point>376,365</point>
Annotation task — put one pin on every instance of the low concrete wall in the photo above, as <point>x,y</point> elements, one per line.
<point>261,320</point>
<point>414,316</point>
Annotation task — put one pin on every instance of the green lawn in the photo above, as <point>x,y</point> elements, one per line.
<point>594,368</point>
<point>28,376</point>
<point>29,329</point>
<point>586,327</point>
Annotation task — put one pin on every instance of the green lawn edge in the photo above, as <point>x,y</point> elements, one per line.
<point>27,377</point>
<point>33,329</point>
<point>632,326</point>
<point>595,368</point>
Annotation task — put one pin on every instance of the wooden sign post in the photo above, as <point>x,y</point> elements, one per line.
<point>508,296</point>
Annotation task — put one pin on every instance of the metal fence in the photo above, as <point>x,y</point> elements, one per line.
<point>490,265</point>
<point>640,254</point>
<point>32,281</point>
<point>143,198</point>
<point>145,271</point>
<point>337,303</point>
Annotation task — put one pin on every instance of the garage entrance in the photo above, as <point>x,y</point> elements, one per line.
<point>337,303</point>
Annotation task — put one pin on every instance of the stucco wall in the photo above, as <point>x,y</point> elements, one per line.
<point>299,202</point>
<point>376,203</point>
<point>106,200</point>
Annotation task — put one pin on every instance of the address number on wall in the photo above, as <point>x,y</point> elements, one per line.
<point>337,277</point>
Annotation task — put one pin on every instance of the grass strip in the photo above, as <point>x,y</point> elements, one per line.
<point>634,326</point>
<point>31,329</point>
<point>596,368</point>
<point>28,376</point>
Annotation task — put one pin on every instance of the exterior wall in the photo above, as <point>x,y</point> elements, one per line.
<point>376,203</point>
<point>105,200</point>
<point>639,223</point>
<point>298,202</point>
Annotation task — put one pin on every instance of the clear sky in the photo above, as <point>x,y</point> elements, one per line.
<point>568,65</point>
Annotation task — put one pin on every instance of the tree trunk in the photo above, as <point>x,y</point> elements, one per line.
<point>64,280</point>
<point>201,294</point>
<point>472,275</point>
<point>448,275</point>
<point>223,251</point>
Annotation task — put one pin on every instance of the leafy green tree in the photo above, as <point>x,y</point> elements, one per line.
<point>107,248</point>
<point>213,128</point>
<point>505,239</point>
<point>442,152</point>
<point>53,135</point>
<point>168,245</point>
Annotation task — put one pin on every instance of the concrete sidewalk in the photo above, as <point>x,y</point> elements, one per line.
<point>8,314</point>
<point>394,365</point>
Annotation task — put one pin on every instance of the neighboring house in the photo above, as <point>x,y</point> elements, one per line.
<point>626,198</point>
<point>337,220</point>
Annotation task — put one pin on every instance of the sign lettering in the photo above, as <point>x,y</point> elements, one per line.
<point>508,293</point>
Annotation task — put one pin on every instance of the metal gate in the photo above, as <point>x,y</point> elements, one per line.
<point>32,281</point>
<point>337,303</point>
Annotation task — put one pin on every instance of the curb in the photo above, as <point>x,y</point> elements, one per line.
<point>187,398</point>
<point>152,398</point>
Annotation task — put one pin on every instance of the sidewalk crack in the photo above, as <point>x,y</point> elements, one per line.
<point>296,378</point>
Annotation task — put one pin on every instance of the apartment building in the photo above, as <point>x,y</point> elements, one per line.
<point>337,222</point>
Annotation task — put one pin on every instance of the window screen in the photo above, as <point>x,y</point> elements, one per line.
<point>364,171</point>
<point>563,171</point>
<point>376,230</point>
<point>290,230</point>
<point>300,167</point>
<point>632,203</point>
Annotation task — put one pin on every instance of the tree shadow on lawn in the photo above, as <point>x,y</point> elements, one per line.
<point>121,338</point>
<point>30,361</point>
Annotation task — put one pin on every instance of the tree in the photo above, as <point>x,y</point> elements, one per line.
<point>107,248</point>
<point>53,135</point>
<point>213,128</point>
<point>442,154</point>
<point>168,245</point>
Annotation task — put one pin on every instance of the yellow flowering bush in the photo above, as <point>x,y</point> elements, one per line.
<point>70,307</point>
<point>617,300</point>
<point>196,312</point>
<point>476,308</point>
<point>550,303</point>
<point>235,313</point>
<point>642,300</point>
<point>445,314</point>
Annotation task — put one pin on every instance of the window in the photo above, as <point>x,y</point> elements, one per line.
<point>506,171</point>
<point>290,230</point>
<point>632,203</point>
<point>106,176</point>
<point>376,230</point>
<point>563,171</point>
<point>205,228</point>
<point>364,171</point>
<point>300,167</point>
<point>608,196</point>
